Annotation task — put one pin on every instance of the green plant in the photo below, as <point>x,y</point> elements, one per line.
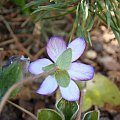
<point>87,11</point>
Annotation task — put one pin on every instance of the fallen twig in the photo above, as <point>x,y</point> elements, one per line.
<point>15,37</point>
<point>39,53</point>
<point>22,109</point>
<point>7,42</point>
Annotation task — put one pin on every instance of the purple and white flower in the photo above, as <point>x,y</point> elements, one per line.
<point>77,71</point>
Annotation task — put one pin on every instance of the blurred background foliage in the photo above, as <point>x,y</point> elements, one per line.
<point>88,14</point>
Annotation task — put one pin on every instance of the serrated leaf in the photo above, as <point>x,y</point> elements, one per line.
<point>49,67</point>
<point>64,60</point>
<point>101,90</point>
<point>48,114</point>
<point>9,76</point>
<point>62,77</point>
<point>67,109</point>
<point>92,115</point>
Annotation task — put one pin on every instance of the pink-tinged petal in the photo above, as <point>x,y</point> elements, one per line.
<point>55,47</point>
<point>70,93</point>
<point>36,66</point>
<point>77,46</point>
<point>80,71</point>
<point>48,86</point>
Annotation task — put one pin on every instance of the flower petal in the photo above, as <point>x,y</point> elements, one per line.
<point>77,46</point>
<point>36,66</point>
<point>80,71</point>
<point>70,93</point>
<point>48,86</point>
<point>55,47</point>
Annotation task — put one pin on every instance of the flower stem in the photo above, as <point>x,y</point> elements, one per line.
<point>58,95</point>
<point>80,104</point>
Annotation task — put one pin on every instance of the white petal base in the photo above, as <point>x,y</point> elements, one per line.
<point>48,86</point>
<point>80,71</point>
<point>77,46</point>
<point>36,66</point>
<point>55,47</point>
<point>70,93</point>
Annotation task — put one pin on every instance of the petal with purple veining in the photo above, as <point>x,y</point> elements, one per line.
<point>36,66</point>
<point>71,92</point>
<point>48,86</point>
<point>77,46</point>
<point>55,47</point>
<point>80,71</point>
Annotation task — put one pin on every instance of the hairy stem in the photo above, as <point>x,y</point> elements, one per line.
<point>80,105</point>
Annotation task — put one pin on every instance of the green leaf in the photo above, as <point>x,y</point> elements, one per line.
<point>21,4</point>
<point>101,90</point>
<point>55,6</point>
<point>49,67</point>
<point>65,59</point>
<point>60,14</point>
<point>108,13</point>
<point>87,104</point>
<point>89,39</point>
<point>76,21</point>
<point>89,22</point>
<point>67,109</point>
<point>35,3</point>
<point>9,76</point>
<point>81,84</point>
<point>80,31</point>
<point>56,1</point>
<point>86,10</point>
<point>108,90</point>
<point>84,7</point>
<point>62,77</point>
<point>48,114</point>
<point>92,115</point>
